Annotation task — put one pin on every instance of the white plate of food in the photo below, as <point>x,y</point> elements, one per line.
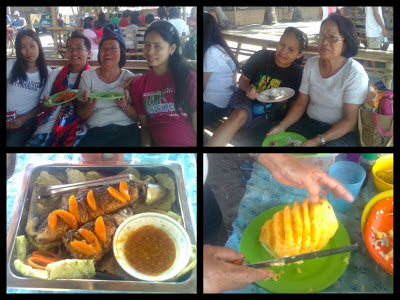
<point>275,95</point>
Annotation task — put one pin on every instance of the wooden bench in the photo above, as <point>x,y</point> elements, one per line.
<point>130,64</point>
<point>133,37</point>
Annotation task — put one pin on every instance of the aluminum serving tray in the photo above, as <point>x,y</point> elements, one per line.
<point>185,284</point>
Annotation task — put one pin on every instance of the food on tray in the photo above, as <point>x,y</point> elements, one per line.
<point>76,229</point>
<point>303,228</point>
<point>75,176</point>
<point>60,221</point>
<point>86,243</point>
<point>64,97</point>
<point>150,250</point>
<point>71,268</point>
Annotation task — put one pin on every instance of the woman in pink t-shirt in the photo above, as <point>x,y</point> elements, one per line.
<point>165,97</point>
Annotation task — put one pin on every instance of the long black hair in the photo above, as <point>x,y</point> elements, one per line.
<point>212,35</point>
<point>176,64</point>
<point>18,71</point>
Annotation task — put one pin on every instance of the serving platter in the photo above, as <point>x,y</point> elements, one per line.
<point>51,100</point>
<point>184,284</point>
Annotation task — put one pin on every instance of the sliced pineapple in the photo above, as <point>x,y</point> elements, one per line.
<point>297,226</point>
<point>299,229</point>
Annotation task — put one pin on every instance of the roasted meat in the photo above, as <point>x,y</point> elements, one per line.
<point>105,204</point>
<point>74,235</point>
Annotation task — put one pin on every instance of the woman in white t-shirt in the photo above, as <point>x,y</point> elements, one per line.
<point>333,88</point>
<point>110,122</point>
<point>219,72</point>
<point>26,78</point>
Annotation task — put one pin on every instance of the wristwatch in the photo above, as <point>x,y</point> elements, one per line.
<point>124,108</point>
<point>322,139</point>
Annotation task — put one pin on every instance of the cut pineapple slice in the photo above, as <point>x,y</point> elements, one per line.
<point>299,229</point>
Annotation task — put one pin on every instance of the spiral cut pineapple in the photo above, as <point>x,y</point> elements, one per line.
<point>303,228</point>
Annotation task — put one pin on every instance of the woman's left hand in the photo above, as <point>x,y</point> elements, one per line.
<point>315,142</point>
<point>18,122</point>
<point>122,102</point>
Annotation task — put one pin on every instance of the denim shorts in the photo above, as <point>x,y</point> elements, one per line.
<point>275,112</point>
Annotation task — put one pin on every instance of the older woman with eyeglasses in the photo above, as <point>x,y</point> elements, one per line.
<point>333,88</point>
<point>264,70</point>
<point>110,122</point>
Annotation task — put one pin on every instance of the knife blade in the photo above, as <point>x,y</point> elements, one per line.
<point>290,259</point>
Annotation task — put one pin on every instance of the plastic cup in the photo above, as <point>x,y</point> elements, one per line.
<point>351,176</point>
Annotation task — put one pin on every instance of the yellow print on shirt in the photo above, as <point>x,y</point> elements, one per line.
<point>266,83</point>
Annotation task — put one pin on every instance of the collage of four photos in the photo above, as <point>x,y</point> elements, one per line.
<point>190,213</point>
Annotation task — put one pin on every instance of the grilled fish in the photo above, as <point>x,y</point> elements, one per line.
<point>111,223</point>
<point>105,204</point>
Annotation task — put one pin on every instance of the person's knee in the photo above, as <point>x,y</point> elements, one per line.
<point>239,116</point>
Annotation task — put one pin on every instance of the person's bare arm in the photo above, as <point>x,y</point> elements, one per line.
<point>206,76</point>
<point>291,171</point>
<point>245,86</point>
<point>378,20</point>
<point>85,109</point>
<point>194,122</point>
<point>340,128</point>
<point>145,136</point>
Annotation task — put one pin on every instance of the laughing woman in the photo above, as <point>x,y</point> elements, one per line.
<point>26,78</point>
<point>165,97</point>
<point>111,123</point>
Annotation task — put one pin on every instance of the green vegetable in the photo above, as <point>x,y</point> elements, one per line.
<point>21,244</point>
<point>28,271</point>
<point>192,262</point>
<point>75,176</point>
<point>71,268</point>
<point>132,171</point>
<point>166,202</point>
<point>93,175</point>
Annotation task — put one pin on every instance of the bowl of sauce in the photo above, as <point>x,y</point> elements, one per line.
<point>151,247</point>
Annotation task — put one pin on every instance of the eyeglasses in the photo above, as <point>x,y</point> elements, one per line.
<point>114,50</point>
<point>70,50</point>
<point>331,39</point>
<point>300,35</point>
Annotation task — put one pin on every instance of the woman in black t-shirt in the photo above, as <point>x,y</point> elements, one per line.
<point>264,70</point>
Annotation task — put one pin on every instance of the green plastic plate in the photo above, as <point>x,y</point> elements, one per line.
<point>281,139</point>
<point>106,95</point>
<point>50,100</point>
<point>311,276</point>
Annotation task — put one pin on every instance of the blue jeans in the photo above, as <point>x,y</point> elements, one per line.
<point>18,137</point>
<point>212,113</point>
<point>310,128</point>
<point>112,136</point>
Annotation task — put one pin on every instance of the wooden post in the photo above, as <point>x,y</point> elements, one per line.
<point>53,32</point>
<point>388,75</point>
